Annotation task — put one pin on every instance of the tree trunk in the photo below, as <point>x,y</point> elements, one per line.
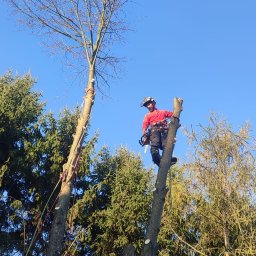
<point>62,206</point>
<point>150,246</point>
<point>226,240</point>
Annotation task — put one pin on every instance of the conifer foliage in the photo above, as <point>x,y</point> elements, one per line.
<point>33,148</point>
<point>110,196</point>
<point>114,209</point>
<point>209,208</point>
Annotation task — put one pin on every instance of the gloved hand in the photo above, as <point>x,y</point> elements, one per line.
<point>144,140</point>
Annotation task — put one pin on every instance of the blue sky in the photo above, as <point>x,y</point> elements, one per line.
<point>203,51</point>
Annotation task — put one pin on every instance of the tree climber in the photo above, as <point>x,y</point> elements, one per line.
<point>157,134</point>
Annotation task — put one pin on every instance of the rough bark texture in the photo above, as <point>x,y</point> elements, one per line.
<point>226,240</point>
<point>150,246</point>
<point>62,206</point>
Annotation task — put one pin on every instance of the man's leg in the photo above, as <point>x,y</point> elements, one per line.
<point>155,141</point>
<point>155,155</point>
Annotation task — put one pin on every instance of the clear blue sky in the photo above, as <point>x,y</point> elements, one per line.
<point>203,51</point>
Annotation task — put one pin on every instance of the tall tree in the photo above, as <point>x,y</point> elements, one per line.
<point>85,29</point>
<point>34,147</point>
<point>223,173</point>
<point>19,110</point>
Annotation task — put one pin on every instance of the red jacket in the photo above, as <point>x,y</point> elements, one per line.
<point>154,117</point>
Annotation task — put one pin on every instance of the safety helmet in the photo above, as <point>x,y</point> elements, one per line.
<point>146,100</point>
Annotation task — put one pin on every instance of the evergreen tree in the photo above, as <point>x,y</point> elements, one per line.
<point>113,212</point>
<point>110,197</point>
<point>33,149</point>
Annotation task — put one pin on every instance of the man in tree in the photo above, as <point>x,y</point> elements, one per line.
<point>157,134</point>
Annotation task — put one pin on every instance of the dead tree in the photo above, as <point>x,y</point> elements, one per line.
<point>85,30</point>
<point>150,243</point>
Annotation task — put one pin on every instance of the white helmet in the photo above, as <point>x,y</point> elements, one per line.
<point>146,100</point>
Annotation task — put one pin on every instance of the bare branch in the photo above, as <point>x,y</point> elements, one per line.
<point>90,24</point>
<point>84,38</point>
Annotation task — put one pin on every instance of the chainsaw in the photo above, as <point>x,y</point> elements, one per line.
<point>145,139</point>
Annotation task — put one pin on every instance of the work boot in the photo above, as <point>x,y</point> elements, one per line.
<point>174,160</point>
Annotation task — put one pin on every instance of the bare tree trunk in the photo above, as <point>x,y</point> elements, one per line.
<point>62,206</point>
<point>150,246</point>
<point>226,240</point>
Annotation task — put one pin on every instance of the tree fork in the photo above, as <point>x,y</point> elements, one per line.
<point>150,245</point>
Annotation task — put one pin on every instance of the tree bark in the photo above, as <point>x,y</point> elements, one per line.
<point>62,206</point>
<point>226,240</point>
<point>150,245</point>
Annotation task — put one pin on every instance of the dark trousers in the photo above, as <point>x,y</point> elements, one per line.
<point>158,141</point>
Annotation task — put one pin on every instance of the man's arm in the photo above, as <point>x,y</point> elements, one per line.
<point>168,114</point>
<point>145,125</point>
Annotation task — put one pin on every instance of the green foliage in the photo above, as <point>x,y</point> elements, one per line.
<point>33,150</point>
<point>114,210</point>
<point>179,229</point>
<point>110,199</point>
<point>223,180</point>
<point>16,91</point>
<point>19,109</point>
<point>209,209</point>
